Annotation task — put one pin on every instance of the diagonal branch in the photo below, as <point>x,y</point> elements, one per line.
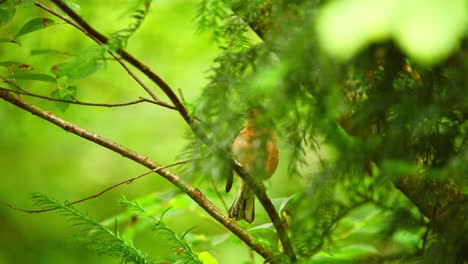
<point>190,190</point>
<point>258,187</point>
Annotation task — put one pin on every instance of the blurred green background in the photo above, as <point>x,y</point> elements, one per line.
<point>36,156</point>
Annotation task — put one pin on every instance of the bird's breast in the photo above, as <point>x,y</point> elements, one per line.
<point>256,152</point>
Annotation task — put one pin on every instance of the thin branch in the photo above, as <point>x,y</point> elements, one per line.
<point>78,102</point>
<point>95,35</point>
<point>100,42</point>
<point>190,190</point>
<point>220,197</point>
<point>127,181</point>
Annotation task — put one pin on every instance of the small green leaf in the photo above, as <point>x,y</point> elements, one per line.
<point>7,12</point>
<point>34,25</point>
<point>64,94</point>
<point>48,51</point>
<point>8,64</point>
<point>85,64</point>
<point>36,77</point>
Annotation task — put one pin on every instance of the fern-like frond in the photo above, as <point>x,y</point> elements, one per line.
<point>139,10</point>
<point>183,251</point>
<point>96,236</point>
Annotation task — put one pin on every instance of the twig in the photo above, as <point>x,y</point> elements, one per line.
<point>260,192</point>
<point>220,197</point>
<point>190,190</point>
<point>127,181</point>
<point>100,42</point>
<point>78,102</point>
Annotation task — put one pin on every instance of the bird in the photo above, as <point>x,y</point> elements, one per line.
<point>256,149</point>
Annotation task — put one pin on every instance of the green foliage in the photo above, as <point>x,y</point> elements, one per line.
<point>68,93</point>
<point>368,98</point>
<point>371,121</point>
<point>183,251</point>
<point>106,239</point>
<point>138,9</point>
<point>98,237</point>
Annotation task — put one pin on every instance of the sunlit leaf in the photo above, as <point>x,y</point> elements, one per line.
<point>430,30</point>
<point>346,27</point>
<point>207,258</point>
<point>34,25</point>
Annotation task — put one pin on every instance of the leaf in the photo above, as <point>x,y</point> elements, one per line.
<point>7,12</point>
<point>36,77</point>
<point>48,51</point>
<point>8,64</point>
<point>207,258</point>
<point>64,94</point>
<point>85,64</point>
<point>34,25</point>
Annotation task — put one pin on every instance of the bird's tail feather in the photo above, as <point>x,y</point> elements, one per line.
<point>243,207</point>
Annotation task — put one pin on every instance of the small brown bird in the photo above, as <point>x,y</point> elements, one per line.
<point>256,149</point>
